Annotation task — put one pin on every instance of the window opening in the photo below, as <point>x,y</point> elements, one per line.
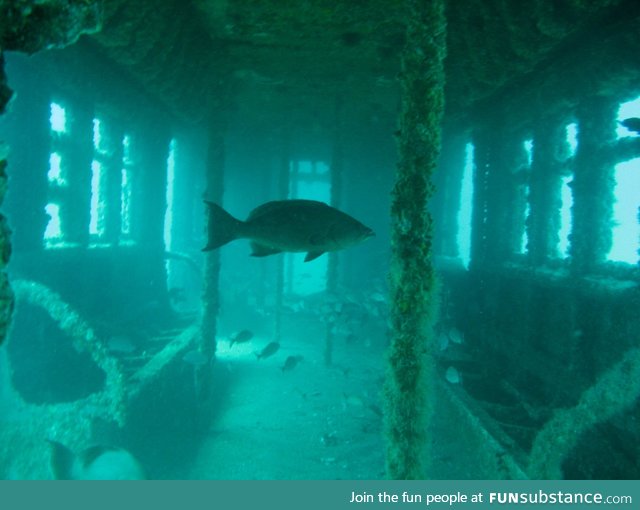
<point>312,183</point>
<point>126,190</point>
<point>524,240</point>
<point>466,208</point>
<point>627,126</point>
<point>54,235</point>
<point>626,228</point>
<point>168,215</point>
<point>566,218</point>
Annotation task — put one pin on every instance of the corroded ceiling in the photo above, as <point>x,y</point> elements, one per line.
<point>303,54</point>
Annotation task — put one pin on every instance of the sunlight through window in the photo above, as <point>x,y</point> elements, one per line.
<point>168,215</point>
<point>55,170</point>
<point>53,232</point>
<point>466,208</point>
<point>97,134</point>
<point>126,189</point>
<point>528,147</point>
<point>628,110</point>
<point>566,219</point>
<point>626,230</point>
<point>58,118</point>
<point>572,138</point>
<point>98,206</point>
<point>312,183</point>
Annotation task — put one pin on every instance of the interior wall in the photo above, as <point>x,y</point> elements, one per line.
<point>540,330</point>
<point>109,277</point>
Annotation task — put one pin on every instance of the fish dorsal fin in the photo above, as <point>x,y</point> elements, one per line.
<point>260,250</point>
<point>277,205</point>
<point>88,456</point>
<point>312,255</point>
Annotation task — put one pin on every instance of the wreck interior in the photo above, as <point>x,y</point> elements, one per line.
<point>120,118</point>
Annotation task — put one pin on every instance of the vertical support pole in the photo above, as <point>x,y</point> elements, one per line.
<point>498,190</point>
<point>113,164</point>
<point>283,192</point>
<point>6,294</point>
<point>337,164</point>
<point>593,184</point>
<point>214,169</point>
<point>152,143</point>
<point>449,194</point>
<point>481,180</point>
<point>549,151</point>
<point>504,231</point>
<point>293,192</point>
<point>408,399</point>
<point>77,157</point>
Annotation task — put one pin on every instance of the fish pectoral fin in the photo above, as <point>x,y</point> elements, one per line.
<point>312,255</point>
<point>260,250</point>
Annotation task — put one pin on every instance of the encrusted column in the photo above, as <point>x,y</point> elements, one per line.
<point>283,193</point>
<point>6,294</point>
<point>112,166</point>
<point>77,153</point>
<point>214,193</point>
<point>449,184</point>
<point>593,184</point>
<point>337,165</point>
<point>482,169</point>
<point>549,152</point>
<point>408,396</point>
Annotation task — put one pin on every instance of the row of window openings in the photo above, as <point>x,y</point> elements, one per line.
<point>625,226</point>
<point>54,232</point>
<point>625,222</point>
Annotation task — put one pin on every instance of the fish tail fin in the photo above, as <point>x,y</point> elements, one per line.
<point>223,228</point>
<point>62,460</point>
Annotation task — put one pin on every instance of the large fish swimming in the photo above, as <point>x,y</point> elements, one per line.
<point>287,226</point>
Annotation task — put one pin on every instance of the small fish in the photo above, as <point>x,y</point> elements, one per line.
<point>443,341</point>
<point>453,376</point>
<point>291,362</point>
<point>632,124</point>
<point>241,337</point>
<point>456,336</point>
<point>378,297</point>
<point>269,350</point>
<point>95,463</point>
<point>195,358</point>
<point>287,226</point>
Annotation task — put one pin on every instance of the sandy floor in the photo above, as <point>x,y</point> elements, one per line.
<point>312,422</point>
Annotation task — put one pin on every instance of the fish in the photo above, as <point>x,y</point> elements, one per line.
<point>269,350</point>
<point>241,337</point>
<point>287,226</point>
<point>291,362</point>
<point>453,376</point>
<point>97,462</point>
<point>456,336</point>
<point>632,124</point>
